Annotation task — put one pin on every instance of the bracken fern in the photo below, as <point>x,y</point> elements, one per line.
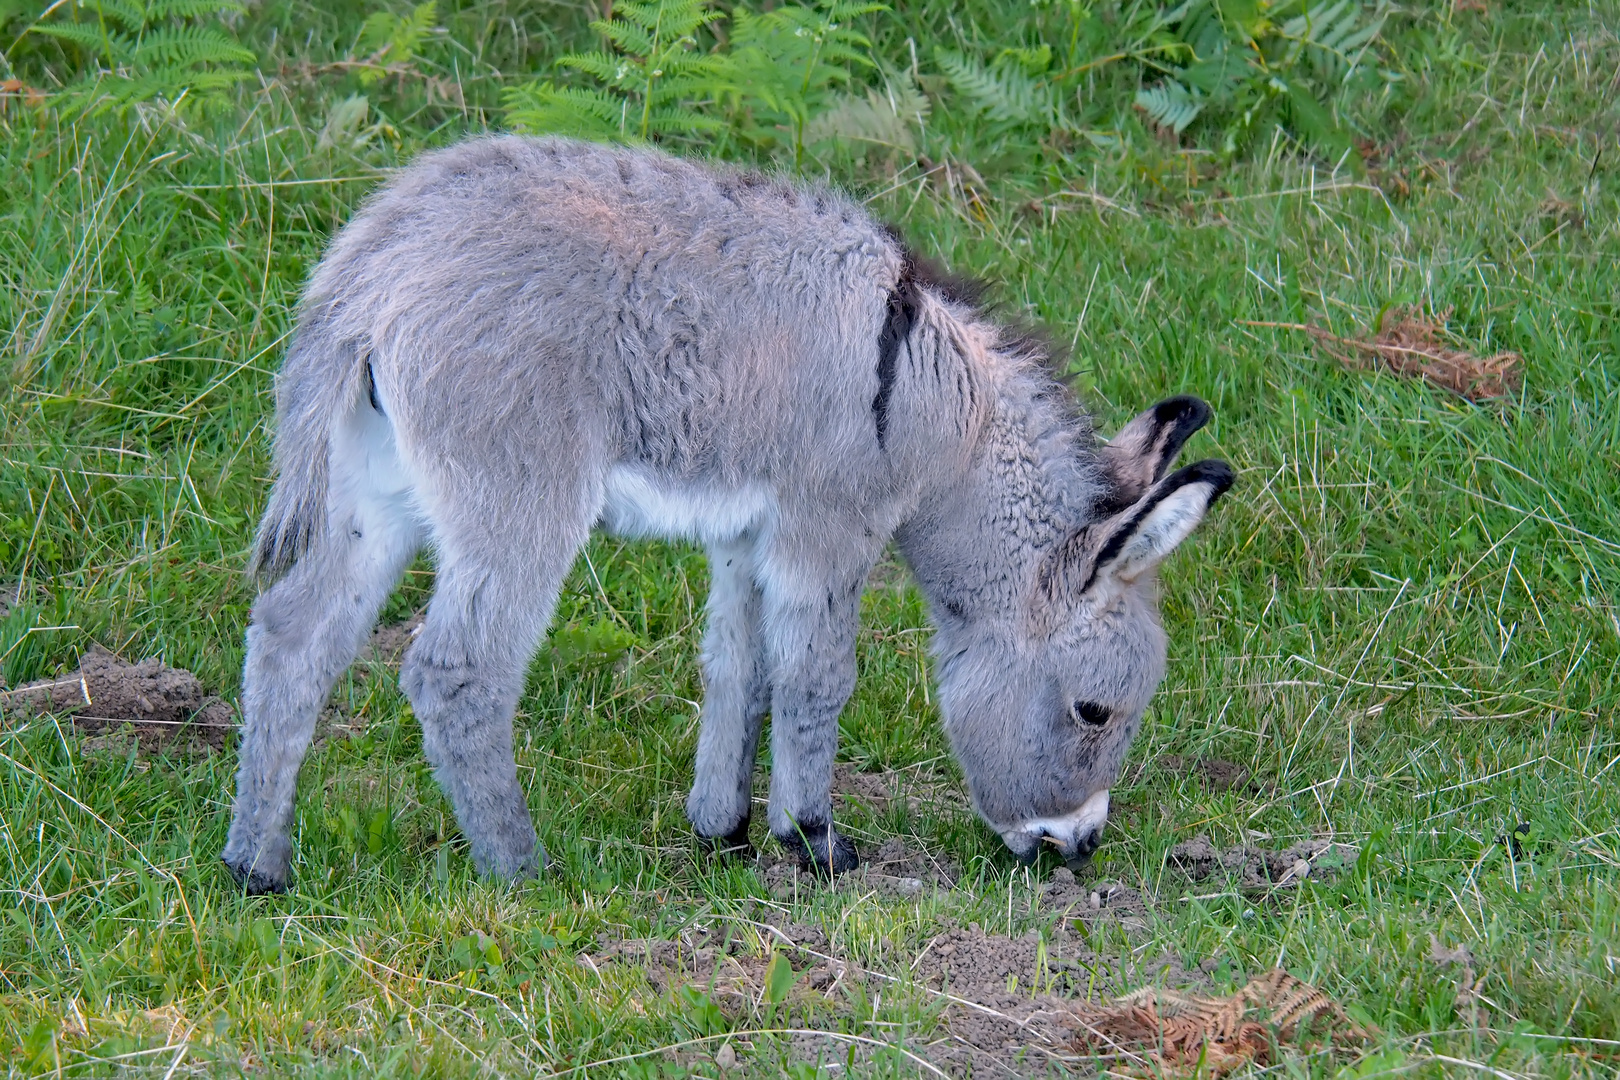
<point>791,62</point>
<point>134,52</point>
<point>1249,64</point>
<point>389,41</point>
<point>1009,90</point>
<point>761,89</point>
<point>649,81</point>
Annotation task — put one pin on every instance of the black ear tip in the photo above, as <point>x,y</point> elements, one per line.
<point>1214,472</point>
<point>1187,412</point>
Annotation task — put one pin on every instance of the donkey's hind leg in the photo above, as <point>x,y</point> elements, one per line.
<point>736,696</point>
<point>501,567</point>
<point>305,631</point>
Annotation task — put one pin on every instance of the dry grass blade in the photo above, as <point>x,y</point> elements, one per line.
<point>1215,1035</point>
<point>1413,345</point>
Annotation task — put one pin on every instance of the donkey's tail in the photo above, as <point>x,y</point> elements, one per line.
<point>320,381</point>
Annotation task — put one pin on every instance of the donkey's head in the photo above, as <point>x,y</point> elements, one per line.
<point>1042,717</point>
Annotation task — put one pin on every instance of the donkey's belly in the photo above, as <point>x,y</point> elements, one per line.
<point>639,502</point>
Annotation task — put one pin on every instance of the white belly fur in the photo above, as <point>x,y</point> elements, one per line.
<point>639,502</point>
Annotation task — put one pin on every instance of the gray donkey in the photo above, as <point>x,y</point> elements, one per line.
<point>520,338</point>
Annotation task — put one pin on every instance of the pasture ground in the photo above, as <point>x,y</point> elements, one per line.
<point>1398,634</point>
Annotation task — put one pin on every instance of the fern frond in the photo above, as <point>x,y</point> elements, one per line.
<point>1170,105</point>
<point>606,67</point>
<point>420,21</point>
<point>1316,125</point>
<point>678,120</point>
<point>1334,36</point>
<point>1033,60</point>
<point>179,47</point>
<point>88,37</point>
<point>376,32</point>
<point>627,37</point>
<point>158,10</point>
<point>169,82</point>
<point>1002,92</point>
<point>670,19</point>
<point>130,16</point>
<point>398,39</point>
<point>542,108</point>
<point>886,119</point>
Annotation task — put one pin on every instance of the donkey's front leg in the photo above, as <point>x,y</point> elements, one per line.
<point>810,643</point>
<point>736,696</point>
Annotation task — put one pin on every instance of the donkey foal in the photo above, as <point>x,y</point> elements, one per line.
<point>519,339</point>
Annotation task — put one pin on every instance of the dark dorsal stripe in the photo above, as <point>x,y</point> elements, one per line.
<point>898,319</point>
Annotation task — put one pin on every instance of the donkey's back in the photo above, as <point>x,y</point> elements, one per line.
<point>675,316</point>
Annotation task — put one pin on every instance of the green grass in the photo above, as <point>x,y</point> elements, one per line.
<point>1403,620</point>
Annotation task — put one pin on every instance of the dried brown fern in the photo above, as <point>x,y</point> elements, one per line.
<point>1411,344</point>
<point>1213,1035</point>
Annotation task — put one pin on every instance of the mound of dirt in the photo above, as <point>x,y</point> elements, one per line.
<point>164,706</point>
<point>1261,868</point>
<point>1091,901</point>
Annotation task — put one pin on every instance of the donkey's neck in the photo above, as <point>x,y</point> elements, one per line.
<point>976,539</point>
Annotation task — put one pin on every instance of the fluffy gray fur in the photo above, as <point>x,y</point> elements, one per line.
<point>518,339</point>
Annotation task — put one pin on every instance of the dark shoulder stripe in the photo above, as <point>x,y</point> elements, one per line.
<point>899,317</point>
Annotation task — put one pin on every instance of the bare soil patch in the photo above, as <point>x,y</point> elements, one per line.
<point>724,961</point>
<point>896,869</point>
<point>1217,773</point>
<point>1258,868</point>
<point>879,790</point>
<point>388,643</point>
<point>1011,1005</point>
<point>163,707</point>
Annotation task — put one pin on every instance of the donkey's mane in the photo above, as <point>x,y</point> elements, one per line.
<point>1040,366</point>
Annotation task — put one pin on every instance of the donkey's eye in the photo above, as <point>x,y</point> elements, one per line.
<point>1090,712</point>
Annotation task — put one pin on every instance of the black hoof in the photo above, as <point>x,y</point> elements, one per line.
<point>255,882</point>
<point>733,845</point>
<point>822,850</point>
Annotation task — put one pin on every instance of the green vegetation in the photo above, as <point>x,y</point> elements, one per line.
<point>1403,621</point>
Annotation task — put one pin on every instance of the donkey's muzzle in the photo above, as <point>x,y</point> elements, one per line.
<point>1075,836</point>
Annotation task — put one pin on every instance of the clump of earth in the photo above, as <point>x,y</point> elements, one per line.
<point>1093,901</point>
<point>111,699</point>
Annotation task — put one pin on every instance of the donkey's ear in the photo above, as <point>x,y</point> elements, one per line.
<point>1139,456</point>
<point>1097,561</point>
<point>1143,535</point>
